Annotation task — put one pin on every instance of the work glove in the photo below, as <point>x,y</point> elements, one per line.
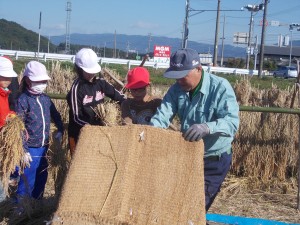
<point>196,132</point>
<point>58,136</point>
<point>27,159</point>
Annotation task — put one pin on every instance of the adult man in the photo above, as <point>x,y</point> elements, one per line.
<point>207,109</point>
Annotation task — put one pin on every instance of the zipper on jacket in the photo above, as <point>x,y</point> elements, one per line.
<point>43,117</point>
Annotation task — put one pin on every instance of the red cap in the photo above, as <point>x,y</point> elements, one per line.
<point>137,78</point>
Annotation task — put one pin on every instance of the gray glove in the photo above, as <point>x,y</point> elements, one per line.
<point>196,132</point>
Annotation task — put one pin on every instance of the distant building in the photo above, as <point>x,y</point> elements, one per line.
<point>280,54</point>
<point>206,59</point>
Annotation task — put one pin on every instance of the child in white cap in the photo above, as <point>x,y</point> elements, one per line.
<point>6,74</point>
<point>36,109</point>
<point>86,93</point>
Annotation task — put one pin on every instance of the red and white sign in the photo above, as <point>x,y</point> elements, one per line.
<point>161,54</point>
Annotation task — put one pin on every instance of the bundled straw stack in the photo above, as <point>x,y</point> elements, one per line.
<point>11,148</point>
<point>109,112</point>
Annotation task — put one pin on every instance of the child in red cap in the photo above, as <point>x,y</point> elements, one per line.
<point>141,106</point>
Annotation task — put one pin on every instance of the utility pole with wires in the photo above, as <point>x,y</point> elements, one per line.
<point>48,44</point>
<point>127,50</point>
<point>223,33</point>
<point>68,9</point>
<point>150,39</point>
<point>255,53</point>
<point>215,57</point>
<point>188,9</point>
<point>262,43</point>
<point>39,41</point>
<point>115,45</point>
<point>251,9</point>
<point>186,29</point>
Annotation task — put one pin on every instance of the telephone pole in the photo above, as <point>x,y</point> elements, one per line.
<point>249,41</point>
<point>186,29</point>
<point>215,58</point>
<point>251,9</point>
<point>39,41</point>
<point>262,43</point>
<point>149,42</point>
<point>222,52</point>
<point>68,9</point>
<point>188,9</point>
<point>127,50</point>
<point>104,49</point>
<point>115,45</point>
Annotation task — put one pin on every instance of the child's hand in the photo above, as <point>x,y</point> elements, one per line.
<point>27,159</point>
<point>10,116</point>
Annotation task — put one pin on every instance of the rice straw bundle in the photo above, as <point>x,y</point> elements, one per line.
<point>58,159</point>
<point>109,112</point>
<point>11,148</point>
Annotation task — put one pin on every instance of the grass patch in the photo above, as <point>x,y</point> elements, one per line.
<point>263,83</point>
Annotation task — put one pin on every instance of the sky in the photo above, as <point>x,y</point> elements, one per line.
<point>153,18</point>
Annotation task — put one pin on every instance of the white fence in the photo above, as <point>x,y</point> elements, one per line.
<point>129,63</point>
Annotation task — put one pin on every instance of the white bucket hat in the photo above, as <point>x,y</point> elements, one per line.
<point>36,71</point>
<point>6,68</point>
<point>87,60</point>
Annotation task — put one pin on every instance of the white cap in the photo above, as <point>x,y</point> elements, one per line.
<point>6,68</point>
<point>36,71</point>
<point>87,60</point>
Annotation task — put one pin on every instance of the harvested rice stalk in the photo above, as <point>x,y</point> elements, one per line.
<point>109,112</point>
<point>11,148</point>
<point>58,159</point>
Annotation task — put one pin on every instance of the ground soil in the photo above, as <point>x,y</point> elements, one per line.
<point>272,205</point>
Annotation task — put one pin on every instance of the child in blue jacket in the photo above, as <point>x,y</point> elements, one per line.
<point>37,110</point>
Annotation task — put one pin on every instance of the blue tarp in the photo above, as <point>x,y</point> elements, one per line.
<point>238,220</point>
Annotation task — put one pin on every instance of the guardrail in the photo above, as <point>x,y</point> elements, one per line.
<point>129,63</point>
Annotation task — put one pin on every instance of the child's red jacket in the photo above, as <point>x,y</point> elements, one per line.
<point>4,106</point>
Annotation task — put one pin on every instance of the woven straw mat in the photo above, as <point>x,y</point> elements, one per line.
<point>133,175</point>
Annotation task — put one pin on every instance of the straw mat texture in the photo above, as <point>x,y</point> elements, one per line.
<point>133,175</point>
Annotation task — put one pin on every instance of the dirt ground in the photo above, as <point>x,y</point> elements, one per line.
<point>271,205</point>
<point>256,204</point>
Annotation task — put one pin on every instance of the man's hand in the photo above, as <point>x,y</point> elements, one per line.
<point>196,132</point>
<point>58,136</point>
<point>27,159</point>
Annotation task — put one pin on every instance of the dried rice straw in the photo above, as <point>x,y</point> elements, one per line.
<point>11,149</point>
<point>109,112</point>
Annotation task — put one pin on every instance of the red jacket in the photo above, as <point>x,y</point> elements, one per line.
<point>4,106</point>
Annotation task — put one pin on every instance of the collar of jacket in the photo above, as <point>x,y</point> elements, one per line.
<point>205,83</point>
<point>4,92</point>
<point>84,81</point>
<point>33,95</point>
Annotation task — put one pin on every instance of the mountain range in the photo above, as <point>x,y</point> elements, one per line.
<point>15,37</point>
<point>140,44</point>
